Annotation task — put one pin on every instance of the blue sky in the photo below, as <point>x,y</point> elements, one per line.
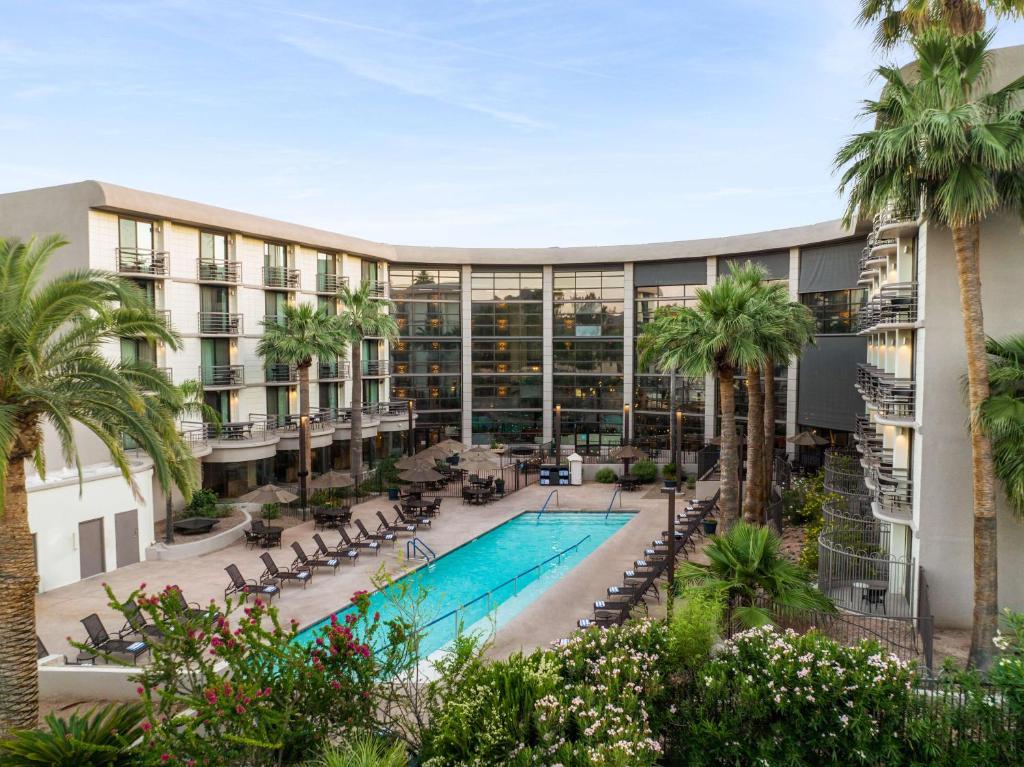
<point>461,122</point>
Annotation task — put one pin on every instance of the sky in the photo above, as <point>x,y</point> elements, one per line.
<point>451,122</point>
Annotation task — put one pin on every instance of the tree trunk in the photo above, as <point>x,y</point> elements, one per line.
<point>356,440</point>
<point>753,497</point>
<point>965,244</point>
<point>769,429</point>
<point>728,501</point>
<point>169,517</point>
<point>19,681</point>
<point>305,440</point>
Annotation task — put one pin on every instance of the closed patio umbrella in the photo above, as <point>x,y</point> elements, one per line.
<point>269,494</point>
<point>331,479</point>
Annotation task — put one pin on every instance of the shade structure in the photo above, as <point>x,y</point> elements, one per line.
<point>628,453</point>
<point>269,494</point>
<point>331,479</point>
<point>414,461</point>
<point>434,452</point>
<point>477,463</point>
<point>808,439</point>
<point>478,450</point>
<point>452,446</point>
<point>420,474</point>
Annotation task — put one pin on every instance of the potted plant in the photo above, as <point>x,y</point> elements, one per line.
<point>710,525</point>
<point>691,482</point>
<point>393,493</point>
<point>668,473</point>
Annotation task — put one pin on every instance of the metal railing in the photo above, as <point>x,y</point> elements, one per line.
<point>893,304</point>
<point>194,434</point>
<point>376,367</point>
<point>281,373</point>
<point>415,545</point>
<point>338,370</point>
<point>379,288</point>
<point>892,397</point>
<point>222,376</point>
<point>219,271</point>
<point>150,263</point>
<point>280,277</point>
<point>894,214</point>
<point>232,432</point>
<point>329,283</point>
<point>844,474</point>
<point>220,323</point>
<point>552,494</point>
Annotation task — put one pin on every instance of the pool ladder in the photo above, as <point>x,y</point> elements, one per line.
<point>415,546</point>
<point>616,494</point>
<point>546,502</point>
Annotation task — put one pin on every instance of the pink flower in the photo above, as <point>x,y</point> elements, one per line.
<point>239,709</point>
<point>165,757</point>
<point>139,690</point>
<point>336,684</point>
<point>146,727</point>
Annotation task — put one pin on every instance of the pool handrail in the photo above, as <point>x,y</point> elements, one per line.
<point>616,494</point>
<point>548,500</point>
<point>416,544</point>
<point>514,578</point>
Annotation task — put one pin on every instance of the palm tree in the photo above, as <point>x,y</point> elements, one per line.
<point>718,335</point>
<point>945,140</point>
<point>747,566</point>
<point>53,374</point>
<point>1002,416</point>
<point>302,334</point>
<point>188,401</point>
<point>898,20</point>
<point>361,316</point>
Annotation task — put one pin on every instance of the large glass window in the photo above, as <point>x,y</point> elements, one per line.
<point>426,357</point>
<point>589,285</point>
<point>835,311</point>
<point>507,286</point>
<point>507,392</point>
<point>508,319</point>
<point>275,254</point>
<point>508,428</point>
<point>649,299</point>
<point>425,284</point>
<point>588,431</point>
<point>429,392</point>
<point>586,356</point>
<point>213,247</point>
<point>584,392</point>
<point>135,234</point>
<point>512,356</point>
<point>427,318</point>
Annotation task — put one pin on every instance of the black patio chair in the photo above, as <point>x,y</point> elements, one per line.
<point>273,573</point>
<point>102,642</point>
<point>137,625</point>
<point>245,587</point>
<point>348,543</point>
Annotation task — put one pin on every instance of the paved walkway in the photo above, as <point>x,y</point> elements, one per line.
<point>203,578</point>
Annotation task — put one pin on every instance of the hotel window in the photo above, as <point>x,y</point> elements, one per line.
<point>275,255</point>
<point>835,311</point>
<point>650,299</point>
<point>213,247</point>
<point>135,235</point>
<point>507,393</point>
<point>588,356</point>
<point>582,392</point>
<point>507,286</point>
<point>508,356</point>
<point>436,357</point>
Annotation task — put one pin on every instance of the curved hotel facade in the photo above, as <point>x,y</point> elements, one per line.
<point>493,340</point>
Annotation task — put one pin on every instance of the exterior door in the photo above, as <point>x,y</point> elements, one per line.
<point>126,537</point>
<point>91,554</point>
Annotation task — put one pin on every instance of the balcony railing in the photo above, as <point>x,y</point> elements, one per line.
<point>281,373</point>
<point>329,283</point>
<point>219,271</point>
<point>894,304</point>
<point>222,376</point>
<point>230,432</point>
<point>280,277</point>
<point>320,418</point>
<point>376,367</point>
<point>220,323</point>
<point>194,434</point>
<point>378,288</point>
<point>338,370</point>
<point>148,263</point>
<point>894,215</point>
<point>844,474</point>
<point>891,397</point>
<point>894,492</point>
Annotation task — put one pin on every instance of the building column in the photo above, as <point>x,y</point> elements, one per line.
<point>548,355</point>
<point>628,336</point>
<point>467,354</point>
<point>710,400</point>
<point>792,374</point>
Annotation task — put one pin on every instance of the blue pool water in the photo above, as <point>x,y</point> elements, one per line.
<point>485,564</point>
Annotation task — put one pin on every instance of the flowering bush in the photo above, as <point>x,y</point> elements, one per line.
<point>772,698</point>
<point>593,701</point>
<point>235,688</point>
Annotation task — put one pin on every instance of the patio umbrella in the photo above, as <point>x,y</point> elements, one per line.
<point>420,474</point>
<point>269,494</point>
<point>452,446</point>
<point>627,453</point>
<point>434,451</point>
<point>477,463</point>
<point>414,462</point>
<point>478,450</point>
<point>807,439</point>
<point>331,479</point>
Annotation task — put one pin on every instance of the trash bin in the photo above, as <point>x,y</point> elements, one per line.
<point>393,494</point>
<point>575,469</point>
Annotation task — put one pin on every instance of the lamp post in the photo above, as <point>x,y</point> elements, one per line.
<point>677,458</point>
<point>303,461</point>
<point>625,424</point>
<point>558,435</point>
<point>412,429</point>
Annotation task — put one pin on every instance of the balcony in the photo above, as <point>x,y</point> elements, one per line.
<point>376,368</point>
<point>194,435</point>
<point>222,376</point>
<point>891,397</point>
<point>220,324</point>
<point>280,373</point>
<point>379,288</point>
<point>225,272</point>
<point>329,283</point>
<point>843,474</point>
<point>895,221</point>
<point>163,316</point>
<point>894,306</point>
<point>280,277</point>
<point>338,370</point>
<point>139,262</point>
<point>894,492</point>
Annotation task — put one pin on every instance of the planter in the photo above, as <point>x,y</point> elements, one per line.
<point>710,525</point>
<point>670,484</point>
<point>393,494</point>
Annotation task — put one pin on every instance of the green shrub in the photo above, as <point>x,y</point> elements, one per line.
<point>100,737</point>
<point>668,471</point>
<point>804,501</point>
<point>695,627</point>
<point>691,482</point>
<point>271,511</point>
<point>1007,671</point>
<point>605,476</point>
<point>364,751</point>
<point>203,503</point>
<point>645,470</point>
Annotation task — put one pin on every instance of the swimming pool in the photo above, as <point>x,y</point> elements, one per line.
<point>499,570</point>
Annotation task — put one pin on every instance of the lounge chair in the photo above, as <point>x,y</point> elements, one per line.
<point>137,625</point>
<point>82,659</point>
<point>347,543</point>
<point>394,527</point>
<point>414,520</point>
<point>190,609</point>
<point>365,535</point>
<point>41,651</point>
<point>273,573</point>
<point>102,642</point>
<point>302,561</point>
<point>240,585</point>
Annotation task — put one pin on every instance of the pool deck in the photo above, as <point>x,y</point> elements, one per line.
<point>552,616</point>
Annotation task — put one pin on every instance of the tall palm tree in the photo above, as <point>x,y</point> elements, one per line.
<point>747,565</point>
<point>53,374</point>
<point>361,316</point>
<point>898,20</point>
<point>302,333</point>
<point>1002,415</point>
<point>717,335</point>
<point>188,401</point>
<point>945,140</point>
